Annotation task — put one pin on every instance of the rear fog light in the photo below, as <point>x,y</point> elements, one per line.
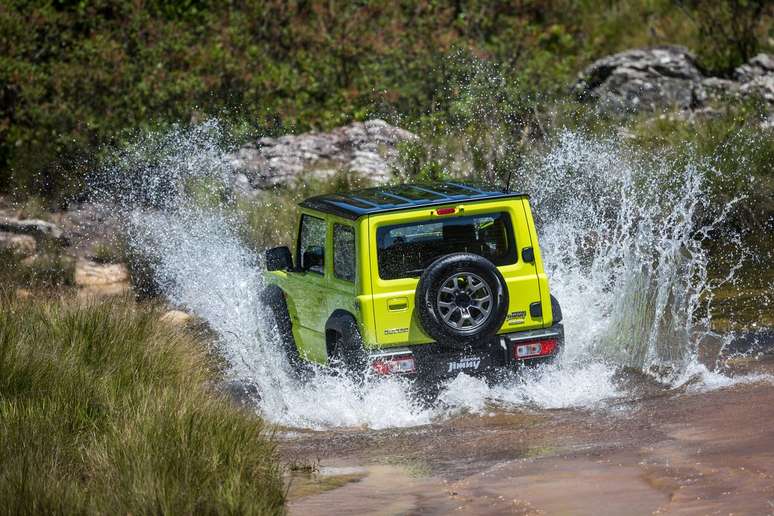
<point>539,348</point>
<point>400,364</point>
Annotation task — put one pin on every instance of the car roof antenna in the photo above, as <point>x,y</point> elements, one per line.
<point>507,188</point>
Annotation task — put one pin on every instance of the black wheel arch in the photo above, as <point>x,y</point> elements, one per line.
<point>342,323</point>
<point>343,342</point>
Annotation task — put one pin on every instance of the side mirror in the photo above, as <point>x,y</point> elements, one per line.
<point>312,258</point>
<point>278,259</point>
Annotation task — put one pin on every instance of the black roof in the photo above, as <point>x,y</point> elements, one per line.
<point>357,203</point>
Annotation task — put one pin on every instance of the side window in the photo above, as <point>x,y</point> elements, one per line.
<point>311,244</point>
<point>344,252</point>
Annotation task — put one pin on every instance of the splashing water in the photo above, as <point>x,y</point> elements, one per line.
<point>619,238</point>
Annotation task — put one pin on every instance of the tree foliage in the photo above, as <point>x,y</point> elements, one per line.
<point>76,75</point>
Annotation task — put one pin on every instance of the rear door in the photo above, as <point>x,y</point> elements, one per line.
<point>405,242</point>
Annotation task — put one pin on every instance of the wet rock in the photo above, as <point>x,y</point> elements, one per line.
<point>642,80</point>
<point>36,228</point>
<point>23,245</point>
<point>367,150</point>
<point>90,274</point>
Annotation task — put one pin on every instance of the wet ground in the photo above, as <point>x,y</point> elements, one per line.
<point>664,452</point>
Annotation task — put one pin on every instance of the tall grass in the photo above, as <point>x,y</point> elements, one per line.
<point>105,409</point>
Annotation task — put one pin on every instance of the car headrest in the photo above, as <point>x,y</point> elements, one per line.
<point>459,232</point>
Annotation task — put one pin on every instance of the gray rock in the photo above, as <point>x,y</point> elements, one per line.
<point>760,65</point>
<point>717,88</point>
<point>642,80</point>
<point>365,149</point>
<point>34,227</point>
<point>667,77</point>
<point>756,78</point>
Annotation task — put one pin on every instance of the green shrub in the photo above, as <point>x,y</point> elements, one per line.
<point>50,269</point>
<point>104,409</point>
<point>76,77</point>
<point>728,31</point>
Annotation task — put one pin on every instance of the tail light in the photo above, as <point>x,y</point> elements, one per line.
<point>394,364</point>
<point>445,211</point>
<point>538,348</point>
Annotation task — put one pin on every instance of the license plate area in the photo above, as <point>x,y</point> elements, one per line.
<point>466,364</point>
<point>442,361</point>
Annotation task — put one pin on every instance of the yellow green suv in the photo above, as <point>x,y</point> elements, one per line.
<point>429,280</point>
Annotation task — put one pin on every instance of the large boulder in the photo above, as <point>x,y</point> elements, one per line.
<point>642,80</point>
<point>654,79</point>
<point>365,149</point>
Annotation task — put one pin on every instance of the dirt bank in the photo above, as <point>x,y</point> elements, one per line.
<point>667,452</point>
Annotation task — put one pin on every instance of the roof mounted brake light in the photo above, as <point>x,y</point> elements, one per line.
<point>445,211</point>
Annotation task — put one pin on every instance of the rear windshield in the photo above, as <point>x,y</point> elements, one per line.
<point>405,250</point>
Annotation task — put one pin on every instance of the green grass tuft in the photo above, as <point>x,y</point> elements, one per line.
<point>104,409</point>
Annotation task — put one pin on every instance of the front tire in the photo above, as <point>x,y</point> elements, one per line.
<point>273,299</point>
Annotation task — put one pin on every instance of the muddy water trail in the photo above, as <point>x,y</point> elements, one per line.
<point>642,411</point>
<point>667,452</point>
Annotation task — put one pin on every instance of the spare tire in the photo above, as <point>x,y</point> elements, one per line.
<point>461,299</point>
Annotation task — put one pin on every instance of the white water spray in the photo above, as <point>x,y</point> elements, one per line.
<point>618,238</point>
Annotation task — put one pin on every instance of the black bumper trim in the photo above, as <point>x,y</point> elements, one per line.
<point>435,360</point>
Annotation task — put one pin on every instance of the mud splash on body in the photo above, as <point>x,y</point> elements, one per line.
<point>618,235</point>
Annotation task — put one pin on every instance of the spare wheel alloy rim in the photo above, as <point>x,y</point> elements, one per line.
<point>464,301</point>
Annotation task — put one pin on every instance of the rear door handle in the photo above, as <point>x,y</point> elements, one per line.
<point>397,304</point>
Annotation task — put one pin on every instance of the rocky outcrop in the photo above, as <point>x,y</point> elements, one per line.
<point>36,228</point>
<point>660,78</point>
<point>92,274</point>
<point>641,79</point>
<point>757,77</point>
<point>365,149</point>
<point>98,280</point>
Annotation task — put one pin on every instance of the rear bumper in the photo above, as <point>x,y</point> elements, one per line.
<point>437,361</point>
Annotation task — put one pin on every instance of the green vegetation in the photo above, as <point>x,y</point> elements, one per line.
<point>104,409</point>
<point>77,76</point>
<point>50,270</point>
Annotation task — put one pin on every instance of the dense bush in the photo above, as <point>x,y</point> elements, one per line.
<point>75,75</point>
